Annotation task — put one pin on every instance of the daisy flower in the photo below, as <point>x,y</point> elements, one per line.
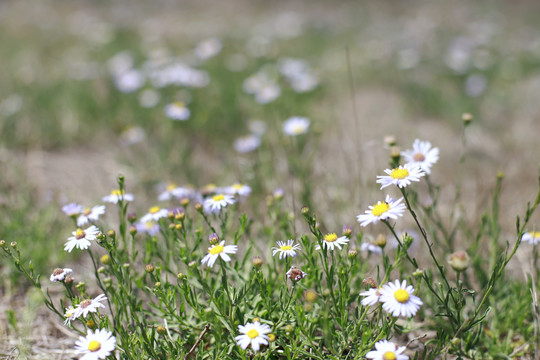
<point>382,210</point>
<point>400,176</point>
<point>177,111</point>
<point>247,143</point>
<point>386,350</point>
<point>220,250</point>
<point>215,203</point>
<point>116,195</point>
<point>295,125</point>
<point>370,247</point>
<point>60,274</point>
<point>372,297</point>
<point>286,249</point>
<point>331,240</point>
<point>421,155</point>
<point>253,334</point>
<point>295,274</point>
<point>208,48</point>
<point>174,191</point>
<point>238,189</point>
<point>89,305</point>
<point>72,209</point>
<point>149,227</point>
<point>398,299</point>
<point>154,214</point>
<point>92,214</point>
<point>81,238</point>
<point>70,315</point>
<point>532,237</point>
<point>96,345</point>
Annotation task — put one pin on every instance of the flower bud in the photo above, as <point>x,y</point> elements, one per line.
<point>179,227</point>
<point>192,264</point>
<point>352,253</point>
<point>13,244</point>
<point>305,210</point>
<point>157,284</point>
<point>149,268</point>
<point>198,207</point>
<point>172,226</point>
<point>257,262</point>
<point>467,118</point>
<point>213,239</point>
<point>2,243</point>
<point>180,276</point>
<point>184,202</point>
<point>133,230</point>
<point>311,295</point>
<point>69,281</point>
<point>180,216</point>
<point>418,273</point>
<point>111,233</point>
<point>161,330</point>
<point>459,261</point>
<point>278,193</point>
<point>91,324</point>
<point>346,231</point>
<point>131,217</point>
<point>81,286</point>
<point>390,140</point>
<point>407,240</point>
<point>126,265</point>
<point>395,153</point>
<point>288,328</point>
<point>271,337</point>
<point>101,270</point>
<point>380,241</point>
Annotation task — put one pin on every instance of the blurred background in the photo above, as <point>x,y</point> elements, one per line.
<point>196,92</point>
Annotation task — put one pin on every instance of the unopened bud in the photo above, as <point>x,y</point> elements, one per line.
<point>288,328</point>
<point>271,337</point>
<point>184,202</point>
<point>179,227</point>
<point>305,210</point>
<point>198,207</point>
<point>180,216</point>
<point>380,241</point>
<point>172,226</point>
<point>467,118</point>
<point>352,253</point>
<point>161,330</point>
<point>459,261</point>
<point>111,233</point>
<point>390,140</point>
<point>131,217</point>
<point>192,263</point>
<point>149,268</point>
<point>91,324</point>
<point>213,239</point>
<point>395,153</point>
<point>311,296</point>
<point>180,276</point>
<point>257,262</point>
<point>346,231</point>
<point>13,244</point>
<point>132,230</point>
<point>2,243</point>
<point>157,284</point>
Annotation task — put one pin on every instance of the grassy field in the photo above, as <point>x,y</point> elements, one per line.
<point>86,96</point>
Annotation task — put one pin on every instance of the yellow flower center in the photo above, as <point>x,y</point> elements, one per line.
<point>285,247</point>
<point>252,333</point>
<point>216,249</point>
<point>399,173</point>
<point>94,345</point>
<point>218,197</point>
<point>116,192</point>
<point>419,157</point>
<point>69,313</point>
<point>535,234</point>
<point>58,272</point>
<point>87,211</point>
<point>171,187</point>
<point>330,237</point>
<point>179,104</point>
<point>298,129</point>
<point>79,234</point>
<point>149,225</point>
<point>237,186</point>
<point>380,208</point>
<point>389,355</point>
<point>401,295</point>
<point>154,209</point>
